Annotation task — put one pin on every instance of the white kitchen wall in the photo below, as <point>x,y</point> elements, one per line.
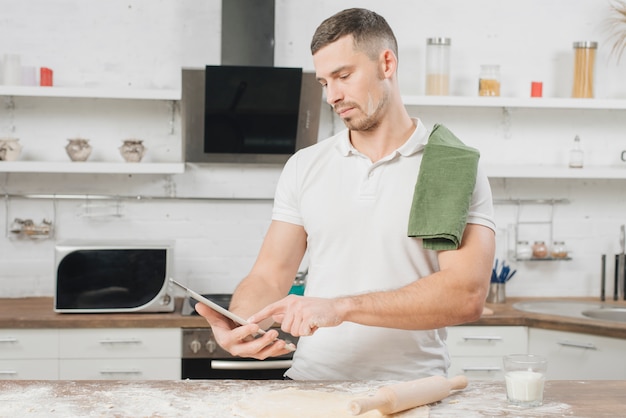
<point>145,43</point>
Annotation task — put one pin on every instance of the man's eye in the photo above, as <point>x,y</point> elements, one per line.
<point>344,76</point>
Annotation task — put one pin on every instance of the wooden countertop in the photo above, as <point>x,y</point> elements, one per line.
<point>37,312</point>
<point>231,398</point>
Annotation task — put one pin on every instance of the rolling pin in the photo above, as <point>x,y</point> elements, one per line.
<point>402,396</point>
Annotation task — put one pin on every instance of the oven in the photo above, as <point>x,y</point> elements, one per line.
<point>203,358</point>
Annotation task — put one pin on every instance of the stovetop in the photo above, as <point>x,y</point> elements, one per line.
<point>222,299</point>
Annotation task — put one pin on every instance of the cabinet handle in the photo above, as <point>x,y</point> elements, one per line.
<point>589,346</point>
<point>8,340</point>
<point>250,365</point>
<point>482,369</point>
<point>483,338</point>
<point>131,371</point>
<point>120,341</point>
<point>8,372</point>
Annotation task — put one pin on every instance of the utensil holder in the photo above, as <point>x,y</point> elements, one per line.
<point>497,293</point>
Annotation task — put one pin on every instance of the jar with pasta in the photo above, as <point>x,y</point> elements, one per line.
<point>584,62</point>
<point>438,66</point>
<point>489,80</point>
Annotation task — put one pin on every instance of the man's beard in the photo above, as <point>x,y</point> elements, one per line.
<point>370,120</point>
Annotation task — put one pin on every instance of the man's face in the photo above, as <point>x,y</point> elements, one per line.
<point>354,83</point>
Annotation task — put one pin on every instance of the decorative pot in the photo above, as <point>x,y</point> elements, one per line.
<point>132,150</point>
<point>10,149</point>
<point>78,149</point>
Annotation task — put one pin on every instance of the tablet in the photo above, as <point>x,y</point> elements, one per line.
<point>228,314</point>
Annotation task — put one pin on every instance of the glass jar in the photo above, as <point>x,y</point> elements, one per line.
<point>540,250</point>
<point>576,154</point>
<point>559,250</point>
<point>489,80</point>
<point>584,61</point>
<point>438,66</point>
<point>523,250</point>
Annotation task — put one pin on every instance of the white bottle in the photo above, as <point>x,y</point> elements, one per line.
<point>576,154</point>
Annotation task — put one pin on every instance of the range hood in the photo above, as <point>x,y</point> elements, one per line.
<point>247,43</point>
<point>248,32</point>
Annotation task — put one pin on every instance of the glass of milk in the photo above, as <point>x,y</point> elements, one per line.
<point>525,375</point>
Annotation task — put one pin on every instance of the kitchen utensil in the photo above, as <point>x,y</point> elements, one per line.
<point>402,396</point>
<point>621,265</point>
<point>603,279</point>
<point>217,308</point>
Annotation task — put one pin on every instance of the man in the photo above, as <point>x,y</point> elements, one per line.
<point>376,302</point>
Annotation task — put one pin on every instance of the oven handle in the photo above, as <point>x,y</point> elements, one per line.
<point>250,365</point>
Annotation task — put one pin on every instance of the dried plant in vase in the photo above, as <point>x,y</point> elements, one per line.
<point>617,27</point>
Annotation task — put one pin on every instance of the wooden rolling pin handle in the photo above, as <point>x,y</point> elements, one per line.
<point>406,395</point>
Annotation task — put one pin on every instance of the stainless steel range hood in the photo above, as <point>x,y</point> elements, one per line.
<point>248,32</point>
<point>247,40</point>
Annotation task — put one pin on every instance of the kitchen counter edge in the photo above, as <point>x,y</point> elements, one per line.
<point>37,312</point>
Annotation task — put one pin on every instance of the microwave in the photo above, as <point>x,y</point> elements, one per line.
<point>119,276</point>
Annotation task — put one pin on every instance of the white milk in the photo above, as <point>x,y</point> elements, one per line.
<point>524,387</point>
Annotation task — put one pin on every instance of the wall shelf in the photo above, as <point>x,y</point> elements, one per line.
<point>94,93</point>
<point>554,172</point>
<point>514,102</point>
<point>91,167</point>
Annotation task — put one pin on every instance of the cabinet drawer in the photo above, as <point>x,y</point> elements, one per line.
<point>29,343</point>
<point>486,341</point>
<point>477,368</point>
<point>120,343</point>
<point>35,369</point>
<point>120,369</point>
<point>579,356</point>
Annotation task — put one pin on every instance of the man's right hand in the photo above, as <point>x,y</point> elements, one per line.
<point>240,340</point>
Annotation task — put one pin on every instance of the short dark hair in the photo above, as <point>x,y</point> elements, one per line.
<point>370,31</point>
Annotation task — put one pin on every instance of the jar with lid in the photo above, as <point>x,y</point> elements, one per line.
<point>489,80</point>
<point>576,154</point>
<point>540,249</point>
<point>438,66</point>
<point>559,250</point>
<point>584,61</point>
<point>523,250</point>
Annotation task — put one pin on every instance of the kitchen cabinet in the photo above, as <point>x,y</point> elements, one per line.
<point>43,118</point>
<point>120,353</point>
<point>476,351</point>
<point>614,107</point>
<point>29,354</point>
<point>579,356</point>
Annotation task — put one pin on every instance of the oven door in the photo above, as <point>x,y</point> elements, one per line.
<point>203,368</point>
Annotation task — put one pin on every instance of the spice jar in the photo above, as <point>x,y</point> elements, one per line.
<point>438,66</point>
<point>540,250</point>
<point>576,154</point>
<point>523,250</point>
<point>559,250</point>
<point>489,80</point>
<point>584,61</point>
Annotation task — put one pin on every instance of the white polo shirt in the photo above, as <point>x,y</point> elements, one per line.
<point>356,213</point>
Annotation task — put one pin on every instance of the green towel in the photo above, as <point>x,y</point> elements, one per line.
<point>443,191</point>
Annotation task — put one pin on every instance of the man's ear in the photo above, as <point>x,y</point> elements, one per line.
<point>388,63</point>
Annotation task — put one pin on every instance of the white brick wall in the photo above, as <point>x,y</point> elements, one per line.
<point>144,43</point>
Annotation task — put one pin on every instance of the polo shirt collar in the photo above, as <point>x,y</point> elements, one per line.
<point>415,143</point>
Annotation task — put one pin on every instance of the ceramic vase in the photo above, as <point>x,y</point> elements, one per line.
<point>132,150</point>
<point>78,149</point>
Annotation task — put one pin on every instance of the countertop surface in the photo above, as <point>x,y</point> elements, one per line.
<point>37,312</point>
<point>275,399</point>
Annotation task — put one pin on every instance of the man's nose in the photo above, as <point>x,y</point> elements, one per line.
<point>333,93</point>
